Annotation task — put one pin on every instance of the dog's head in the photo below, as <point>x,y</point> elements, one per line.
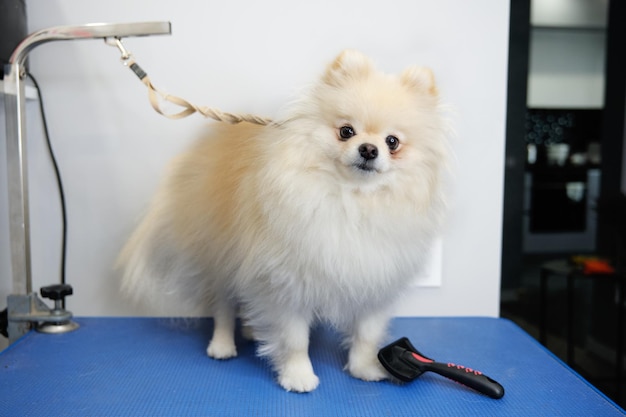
<point>373,127</point>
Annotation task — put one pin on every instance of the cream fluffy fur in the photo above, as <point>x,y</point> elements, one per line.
<point>291,224</point>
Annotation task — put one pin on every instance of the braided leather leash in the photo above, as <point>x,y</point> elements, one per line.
<point>155,95</point>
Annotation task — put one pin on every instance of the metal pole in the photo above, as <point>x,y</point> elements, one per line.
<point>17,177</point>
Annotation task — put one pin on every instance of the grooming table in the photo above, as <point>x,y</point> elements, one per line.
<point>158,367</point>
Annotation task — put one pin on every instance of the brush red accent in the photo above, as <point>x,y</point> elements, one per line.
<point>421,358</point>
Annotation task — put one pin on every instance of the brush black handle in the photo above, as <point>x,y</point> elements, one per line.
<point>466,376</point>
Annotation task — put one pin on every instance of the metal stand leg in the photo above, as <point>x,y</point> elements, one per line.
<point>17,172</point>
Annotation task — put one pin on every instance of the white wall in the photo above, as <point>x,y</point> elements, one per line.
<point>246,56</point>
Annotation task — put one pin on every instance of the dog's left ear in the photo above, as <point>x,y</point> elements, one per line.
<point>350,64</point>
<point>420,79</point>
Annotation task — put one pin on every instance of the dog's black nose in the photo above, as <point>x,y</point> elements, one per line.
<point>368,151</point>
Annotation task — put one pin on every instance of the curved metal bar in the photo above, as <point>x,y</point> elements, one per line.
<point>88,31</point>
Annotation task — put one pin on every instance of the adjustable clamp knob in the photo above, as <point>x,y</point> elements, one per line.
<point>57,293</point>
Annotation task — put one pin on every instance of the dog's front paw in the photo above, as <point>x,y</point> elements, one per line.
<point>221,349</point>
<point>367,369</point>
<point>298,380</point>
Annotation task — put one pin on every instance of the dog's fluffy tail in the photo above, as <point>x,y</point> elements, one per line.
<point>156,275</point>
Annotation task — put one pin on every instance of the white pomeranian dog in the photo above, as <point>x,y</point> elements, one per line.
<point>325,216</point>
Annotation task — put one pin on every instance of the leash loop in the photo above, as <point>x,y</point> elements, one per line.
<point>117,42</point>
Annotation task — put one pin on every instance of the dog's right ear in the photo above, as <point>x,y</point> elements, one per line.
<point>419,79</point>
<point>350,64</point>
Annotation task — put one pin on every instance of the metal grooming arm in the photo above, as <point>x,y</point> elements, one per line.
<point>22,297</point>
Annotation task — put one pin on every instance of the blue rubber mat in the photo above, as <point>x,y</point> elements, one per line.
<point>158,367</point>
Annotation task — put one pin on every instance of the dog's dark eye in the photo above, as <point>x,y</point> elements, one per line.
<point>346,132</point>
<point>392,142</point>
